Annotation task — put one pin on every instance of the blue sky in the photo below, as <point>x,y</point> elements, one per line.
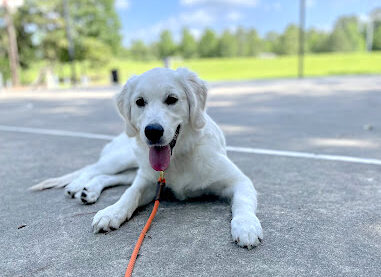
<point>145,19</point>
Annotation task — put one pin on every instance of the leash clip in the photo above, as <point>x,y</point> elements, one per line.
<point>160,185</point>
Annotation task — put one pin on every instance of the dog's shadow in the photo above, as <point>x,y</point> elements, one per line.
<point>169,200</point>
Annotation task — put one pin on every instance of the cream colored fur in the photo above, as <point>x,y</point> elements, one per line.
<point>199,163</point>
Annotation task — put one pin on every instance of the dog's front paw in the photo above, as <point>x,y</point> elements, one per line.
<point>74,189</point>
<point>89,196</point>
<point>108,219</point>
<point>247,230</point>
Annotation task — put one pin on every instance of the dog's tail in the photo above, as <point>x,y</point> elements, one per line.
<point>58,182</point>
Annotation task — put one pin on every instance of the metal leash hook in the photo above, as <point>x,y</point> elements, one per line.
<point>160,185</point>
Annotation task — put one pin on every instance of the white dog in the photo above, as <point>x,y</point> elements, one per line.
<point>167,127</point>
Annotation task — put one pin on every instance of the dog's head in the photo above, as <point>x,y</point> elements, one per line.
<point>160,103</point>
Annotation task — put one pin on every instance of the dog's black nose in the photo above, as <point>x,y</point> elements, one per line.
<point>154,132</point>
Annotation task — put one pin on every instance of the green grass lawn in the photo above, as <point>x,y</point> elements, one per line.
<point>224,69</point>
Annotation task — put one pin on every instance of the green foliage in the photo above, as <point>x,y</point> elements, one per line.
<point>271,42</point>
<point>24,42</point>
<point>316,41</point>
<point>139,50</point>
<point>208,46</point>
<point>166,45</point>
<point>94,51</point>
<point>240,37</point>
<point>288,41</point>
<point>346,36</point>
<point>254,43</point>
<point>96,19</point>
<point>41,36</point>
<point>4,63</point>
<point>376,16</point>
<point>94,25</point>
<point>227,46</point>
<point>188,45</point>
<point>26,48</point>
<point>377,38</point>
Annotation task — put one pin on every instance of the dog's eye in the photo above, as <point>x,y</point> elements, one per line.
<point>170,100</point>
<point>140,102</point>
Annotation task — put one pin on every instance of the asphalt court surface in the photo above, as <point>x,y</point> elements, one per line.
<point>320,218</point>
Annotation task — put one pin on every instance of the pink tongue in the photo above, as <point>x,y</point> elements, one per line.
<point>159,157</point>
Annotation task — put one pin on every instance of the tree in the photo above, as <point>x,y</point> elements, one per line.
<point>26,48</point>
<point>288,41</point>
<point>188,45</point>
<point>377,38</point>
<point>227,46</point>
<point>240,36</point>
<point>13,53</point>
<point>346,36</point>
<point>254,43</point>
<point>208,45</point>
<point>271,42</point>
<point>166,46</point>
<point>94,51</point>
<point>4,63</point>
<point>375,16</point>
<point>97,19</point>
<point>153,50</point>
<point>139,50</point>
<point>90,19</point>
<point>316,41</point>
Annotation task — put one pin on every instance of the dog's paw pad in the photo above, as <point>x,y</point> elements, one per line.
<point>246,231</point>
<point>69,193</point>
<point>88,197</point>
<point>74,189</point>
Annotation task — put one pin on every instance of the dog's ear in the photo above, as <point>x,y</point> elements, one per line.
<point>196,92</point>
<point>122,100</point>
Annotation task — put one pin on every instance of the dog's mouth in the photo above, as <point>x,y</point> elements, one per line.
<point>160,156</point>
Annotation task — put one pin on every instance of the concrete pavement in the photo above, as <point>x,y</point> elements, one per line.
<point>320,218</point>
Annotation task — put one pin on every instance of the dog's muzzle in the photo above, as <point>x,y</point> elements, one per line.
<point>160,156</point>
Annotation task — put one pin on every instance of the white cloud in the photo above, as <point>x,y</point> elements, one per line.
<point>234,16</point>
<point>363,17</point>
<point>326,27</point>
<point>122,4</point>
<point>247,3</point>
<point>310,3</point>
<point>276,6</point>
<point>196,32</point>
<point>196,20</point>
<point>198,17</point>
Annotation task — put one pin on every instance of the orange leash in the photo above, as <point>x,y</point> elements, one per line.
<point>131,263</point>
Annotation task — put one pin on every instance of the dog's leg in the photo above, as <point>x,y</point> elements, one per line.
<point>93,189</point>
<point>245,227</point>
<point>141,192</point>
<point>116,156</point>
<point>109,164</point>
<point>58,182</point>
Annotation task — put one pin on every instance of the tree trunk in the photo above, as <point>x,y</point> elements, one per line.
<point>13,54</point>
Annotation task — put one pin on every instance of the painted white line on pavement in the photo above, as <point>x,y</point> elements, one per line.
<point>306,155</point>
<point>249,150</point>
<point>54,132</point>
